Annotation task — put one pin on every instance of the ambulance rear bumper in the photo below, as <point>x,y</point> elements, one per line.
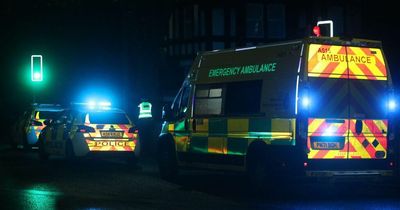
<point>350,173</point>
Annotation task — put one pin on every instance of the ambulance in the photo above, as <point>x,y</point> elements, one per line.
<point>90,129</point>
<point>320,106</point>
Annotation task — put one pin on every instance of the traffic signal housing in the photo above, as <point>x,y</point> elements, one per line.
<point>37,68</point>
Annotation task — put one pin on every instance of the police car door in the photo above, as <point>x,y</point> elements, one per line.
<point>58,143</point>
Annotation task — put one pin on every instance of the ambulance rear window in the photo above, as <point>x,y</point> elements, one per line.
<point>108,118</point>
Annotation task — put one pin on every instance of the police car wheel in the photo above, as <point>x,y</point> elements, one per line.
<point>43,155</point>
<point>166,158</point>
<point>26,146</point>
<point>69,151</point>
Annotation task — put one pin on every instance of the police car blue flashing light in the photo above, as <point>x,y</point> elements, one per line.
<point>99,105</point>
<point>95,105</point>
<point>104,104</point>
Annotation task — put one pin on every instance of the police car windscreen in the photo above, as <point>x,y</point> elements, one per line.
<point>108,118</point>
<point>47,114</point>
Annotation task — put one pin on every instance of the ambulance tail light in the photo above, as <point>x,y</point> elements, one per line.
<point>86,129</point>
<point>133,129</point>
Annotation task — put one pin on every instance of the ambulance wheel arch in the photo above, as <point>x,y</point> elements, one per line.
<point>167,157</point>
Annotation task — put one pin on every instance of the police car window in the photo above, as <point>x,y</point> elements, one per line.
<point>47,114</point>
<point>108,118</point>
<point>210,103</point>
<point>243,98</point>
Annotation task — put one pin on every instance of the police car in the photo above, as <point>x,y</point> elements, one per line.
<point>90,129</point>
<point>29,126</point>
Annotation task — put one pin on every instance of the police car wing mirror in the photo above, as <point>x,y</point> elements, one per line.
<point>167,112</point>
<point>47,122</point>
<point>36,123</point>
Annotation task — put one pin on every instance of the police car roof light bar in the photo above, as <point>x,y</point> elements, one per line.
<point>330,22</point>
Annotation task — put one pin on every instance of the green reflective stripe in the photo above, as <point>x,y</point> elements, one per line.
<point>217,126</point>
<point>259,125</point>
<point>289,142</point>
<point>237,146</point>
<point>199,145</point>
<point>180,126</point>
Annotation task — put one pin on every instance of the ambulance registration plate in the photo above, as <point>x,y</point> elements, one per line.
<point>326,145</point>
<point>112,134</point>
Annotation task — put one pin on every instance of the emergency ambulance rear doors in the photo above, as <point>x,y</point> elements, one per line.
<point>348,91</point>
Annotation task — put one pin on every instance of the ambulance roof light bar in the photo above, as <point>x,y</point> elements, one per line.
<point>330,22</point>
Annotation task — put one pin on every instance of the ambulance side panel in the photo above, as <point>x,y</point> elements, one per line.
<point>238,97</point>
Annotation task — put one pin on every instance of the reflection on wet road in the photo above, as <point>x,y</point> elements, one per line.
<point>27,183</point>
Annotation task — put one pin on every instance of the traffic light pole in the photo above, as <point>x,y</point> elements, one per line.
<point>33,95</point>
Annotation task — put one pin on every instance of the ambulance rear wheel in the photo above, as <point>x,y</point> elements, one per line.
<point>166,158</point>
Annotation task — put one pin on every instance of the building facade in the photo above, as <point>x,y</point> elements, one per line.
<point>196,26</point>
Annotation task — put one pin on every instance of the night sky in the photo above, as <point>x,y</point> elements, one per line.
<point>100,49</point>
<point>110,49</point>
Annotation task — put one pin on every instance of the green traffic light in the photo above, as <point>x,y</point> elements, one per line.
<point>37,68</point>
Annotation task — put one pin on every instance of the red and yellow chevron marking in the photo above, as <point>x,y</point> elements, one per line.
<point>111,145</point>
<point>327,61</point>
<point>117,127</point>
<point>332,61</point>
<point>366,63</point>
<point>371,143</point>
<point>320,127</point>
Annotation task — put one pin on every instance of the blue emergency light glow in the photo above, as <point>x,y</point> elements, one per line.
<point>392,105</point>
<point>98,105</point>
<point>305,102</point>
<point>104,104</point>
<point>91,104</point>
<point>329,131</point>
